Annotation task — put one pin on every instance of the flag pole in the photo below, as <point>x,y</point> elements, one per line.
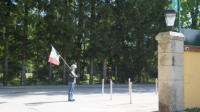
<point>64,61</point>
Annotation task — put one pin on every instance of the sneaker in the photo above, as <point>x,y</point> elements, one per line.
<point>72,100</point>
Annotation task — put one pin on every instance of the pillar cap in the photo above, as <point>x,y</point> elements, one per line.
<point>170,36</point>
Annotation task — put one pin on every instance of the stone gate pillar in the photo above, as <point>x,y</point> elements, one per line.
<point>171,71</point>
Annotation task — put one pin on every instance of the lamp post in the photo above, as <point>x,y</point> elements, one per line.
<point>170,17</point>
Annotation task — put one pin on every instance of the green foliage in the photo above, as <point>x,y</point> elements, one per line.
<point>122,31</point>
<point>193,110</point>
<point>190,14</point>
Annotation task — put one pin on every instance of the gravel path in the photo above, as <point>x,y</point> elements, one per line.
<point>88,99</point>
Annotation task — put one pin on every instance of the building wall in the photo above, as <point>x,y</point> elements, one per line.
<point>191,77</point>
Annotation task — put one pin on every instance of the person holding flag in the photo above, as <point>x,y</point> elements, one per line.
<point>54,59</point>
<point>72,82</point>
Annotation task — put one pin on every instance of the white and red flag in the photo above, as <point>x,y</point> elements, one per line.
<point>54,57</point>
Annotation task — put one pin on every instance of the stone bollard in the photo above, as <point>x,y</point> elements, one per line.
<point>129,80</point>
<point>110,89</point>
<point>156,81</point>
<point>130,91</point>
<point>170,71</point>
<point>102,87</point>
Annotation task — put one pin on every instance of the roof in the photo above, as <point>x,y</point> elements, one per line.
<point>192,37</point>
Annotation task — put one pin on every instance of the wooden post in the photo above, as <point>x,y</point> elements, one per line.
<point>110,89</point>
<point>102,87</point>
<point>130,92</point>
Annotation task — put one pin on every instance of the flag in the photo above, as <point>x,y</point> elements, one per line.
<point>175,5</point>
<point>54,57</point>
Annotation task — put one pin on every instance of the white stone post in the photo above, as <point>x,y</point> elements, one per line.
<point>129,80</point>
<point>110,89</point>
<point>102,87</point>
<point>156,81</point>
<point>130,92</point>
<point>170,71</point>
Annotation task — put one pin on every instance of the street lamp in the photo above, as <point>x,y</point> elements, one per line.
<point>170,16</point>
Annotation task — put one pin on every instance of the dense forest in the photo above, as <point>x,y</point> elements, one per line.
<point>110,39</point>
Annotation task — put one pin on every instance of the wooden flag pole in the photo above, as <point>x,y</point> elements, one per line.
<point>64,61</point>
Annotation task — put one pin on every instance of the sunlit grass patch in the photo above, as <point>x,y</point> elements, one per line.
<point>14,82</point>
<point>1,75</point>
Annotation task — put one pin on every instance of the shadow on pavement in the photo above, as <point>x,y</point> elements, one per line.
<point>39,103</point>
<point>3,102</point>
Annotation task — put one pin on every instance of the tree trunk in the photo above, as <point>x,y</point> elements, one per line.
<point>139,58</point>
<point>64,56</point>
<point>105,69</point>
<point>91,69</point>
<point>139,76</point>
<point>36,68</point>
<point>50,64</point>
<point>79,41</point>
<point>194,14</point>
<point>64,74</point>
<point>23,75</point>
<point>92,22</point>
<point>6,41</point>
<point>65,81</point>
<point>116,69</point>
<point>38,28</point>
<point>50,73</point>
<point>5,74</point>
<point>66,14</point>
<point>79,70</point>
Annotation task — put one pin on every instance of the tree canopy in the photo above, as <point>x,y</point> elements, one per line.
<point>110,39</point>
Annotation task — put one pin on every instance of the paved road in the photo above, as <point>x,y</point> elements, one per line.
<point>88,99</point>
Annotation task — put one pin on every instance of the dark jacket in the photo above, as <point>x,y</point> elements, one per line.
<point>71,77</point>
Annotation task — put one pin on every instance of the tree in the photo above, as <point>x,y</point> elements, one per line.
<point>7,5</point>
<point>106,38</point>
<point>24,7</point>
<point>190,13</point>
<point>92,49</point>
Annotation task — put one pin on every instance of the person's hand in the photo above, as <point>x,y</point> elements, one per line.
<point>78,75</point>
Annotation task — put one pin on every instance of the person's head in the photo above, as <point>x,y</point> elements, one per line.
<point>73,67</point>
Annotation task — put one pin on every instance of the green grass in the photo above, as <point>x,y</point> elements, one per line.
<point>151,81</point>
<point>14,82</point>
<point>193,110</point>
<point>86,80</point>
<point>29,80</point>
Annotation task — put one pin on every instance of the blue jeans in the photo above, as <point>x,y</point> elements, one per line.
<point>71,90</point>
